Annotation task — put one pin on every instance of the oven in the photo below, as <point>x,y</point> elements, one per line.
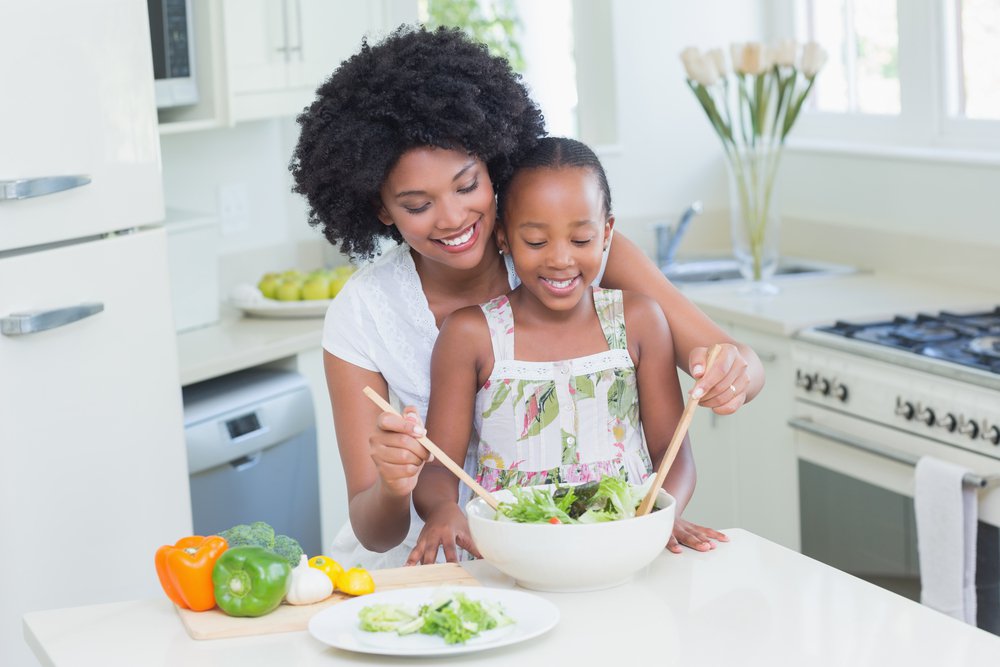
<point>867,407</point>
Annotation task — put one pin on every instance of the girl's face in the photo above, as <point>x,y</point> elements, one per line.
<point>442,203</point>
<point>556,231</point>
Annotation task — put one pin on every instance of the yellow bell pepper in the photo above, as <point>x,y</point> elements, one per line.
<point>356,581</point>
<point>327,566</point>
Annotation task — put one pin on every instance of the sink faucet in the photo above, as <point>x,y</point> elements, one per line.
<point>668,238</point>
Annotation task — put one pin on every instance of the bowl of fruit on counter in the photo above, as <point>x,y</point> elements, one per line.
<point>292,292</point>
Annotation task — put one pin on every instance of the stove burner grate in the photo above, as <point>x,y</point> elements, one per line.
<point>971,339</point>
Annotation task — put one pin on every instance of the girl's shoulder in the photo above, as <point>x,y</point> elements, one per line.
<point>642,310</point>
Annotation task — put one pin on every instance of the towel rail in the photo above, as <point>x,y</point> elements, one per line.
<point>809,426</point>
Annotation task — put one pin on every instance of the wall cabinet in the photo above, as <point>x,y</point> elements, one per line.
<point>279,51</point>
<point>747,468</point>
<point>258,59</point>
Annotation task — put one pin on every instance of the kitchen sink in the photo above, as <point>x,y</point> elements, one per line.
<point>722,269</point>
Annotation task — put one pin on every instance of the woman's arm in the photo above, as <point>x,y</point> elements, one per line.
<point>459,353</point>
<point>660,408</point>
<point>737,376</point>
<point>380,455</point>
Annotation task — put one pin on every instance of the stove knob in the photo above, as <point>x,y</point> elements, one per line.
<point>992,435</point>
<point>824,386</point>
<point>905,409</point>
<point>948,423</point>
<point>803,380</point>
<point>927,416</point>
<point>840,391</point>
<point>971,429</point>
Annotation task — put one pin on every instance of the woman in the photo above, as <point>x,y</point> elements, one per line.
<point>407,141</point>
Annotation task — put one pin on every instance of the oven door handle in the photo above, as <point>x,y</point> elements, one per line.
<point>809,426</point>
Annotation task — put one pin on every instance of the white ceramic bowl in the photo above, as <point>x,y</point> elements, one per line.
<point>570,557</point>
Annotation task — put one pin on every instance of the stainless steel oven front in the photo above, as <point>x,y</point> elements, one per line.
<point>860,425</point>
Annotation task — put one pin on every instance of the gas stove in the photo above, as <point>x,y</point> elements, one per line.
<point>963,346</point>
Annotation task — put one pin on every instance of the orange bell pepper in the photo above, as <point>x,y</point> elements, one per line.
<point>185,570</point>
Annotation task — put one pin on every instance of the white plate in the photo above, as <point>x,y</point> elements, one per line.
<point>339,627</point>
<point>249,299</point>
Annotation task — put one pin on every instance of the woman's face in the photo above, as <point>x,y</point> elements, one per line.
<point>442,203</point>
<point>555,229</point>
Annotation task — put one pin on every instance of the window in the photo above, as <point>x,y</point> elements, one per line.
<point>916,75</point>
<point>573,87</point>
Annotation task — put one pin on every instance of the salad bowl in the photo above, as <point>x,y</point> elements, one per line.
<point>570,557</point>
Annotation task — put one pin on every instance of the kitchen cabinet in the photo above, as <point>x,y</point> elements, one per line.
<point>332,485</point>
<point>747,468</point>
<point>258,59</point>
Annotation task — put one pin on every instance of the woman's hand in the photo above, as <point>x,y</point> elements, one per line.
<point>446,527</point>
<point>693,536</point>
<point>394,449</point>
<point>723,388</point>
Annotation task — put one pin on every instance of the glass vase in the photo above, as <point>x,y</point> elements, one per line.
<point>755,222</point>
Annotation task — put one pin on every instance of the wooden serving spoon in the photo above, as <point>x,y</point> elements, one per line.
<point>675,444</point>
<point>436,451</point>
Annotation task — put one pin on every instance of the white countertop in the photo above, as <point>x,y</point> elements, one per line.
<point>812,300</point>
<point>239,342</point>
<point>748,602</point>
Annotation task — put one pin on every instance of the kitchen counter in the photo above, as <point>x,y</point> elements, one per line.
<point>749,602</point>
<point>237,342</point>
<point>812,300</point>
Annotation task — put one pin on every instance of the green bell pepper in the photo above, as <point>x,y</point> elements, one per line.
<point>250,581</point>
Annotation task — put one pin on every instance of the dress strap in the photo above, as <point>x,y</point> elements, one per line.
<point>500,319</point>
<point>611,314</point>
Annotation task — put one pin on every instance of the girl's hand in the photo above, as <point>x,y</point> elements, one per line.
<point>394,449</point>
<point>447,527</point>
<point>693,536</point>
<point>724,387</point>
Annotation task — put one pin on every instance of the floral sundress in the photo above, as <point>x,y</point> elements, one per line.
<point>571,421</point>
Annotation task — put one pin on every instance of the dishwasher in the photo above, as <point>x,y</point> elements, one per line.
<point>251,445</point>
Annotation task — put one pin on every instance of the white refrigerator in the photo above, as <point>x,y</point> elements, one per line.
<point>93,469</point>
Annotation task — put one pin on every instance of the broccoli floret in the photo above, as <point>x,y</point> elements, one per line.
<point>288,548</point>
<point>256,534</point>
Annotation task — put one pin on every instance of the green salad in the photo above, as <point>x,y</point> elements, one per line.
<point>610,499</point>
<point>453,616</point>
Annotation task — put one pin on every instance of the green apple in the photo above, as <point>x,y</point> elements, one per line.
<point>316,288</point>
<point>289,290</point>
<point>268,285</point>
<point>292,274</point>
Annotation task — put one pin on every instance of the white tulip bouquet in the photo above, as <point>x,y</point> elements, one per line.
<point>752,107</point>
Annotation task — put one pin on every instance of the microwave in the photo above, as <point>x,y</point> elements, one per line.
<point>172,38</point>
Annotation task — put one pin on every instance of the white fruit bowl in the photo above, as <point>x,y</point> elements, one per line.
<point>570,557</point>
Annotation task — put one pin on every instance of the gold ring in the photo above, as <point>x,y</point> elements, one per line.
<point>733,387</point>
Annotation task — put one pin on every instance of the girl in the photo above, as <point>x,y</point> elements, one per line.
<point>406,142</point>
<point>548,379</point>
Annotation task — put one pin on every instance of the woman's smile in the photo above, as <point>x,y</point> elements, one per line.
<point>463,240</point>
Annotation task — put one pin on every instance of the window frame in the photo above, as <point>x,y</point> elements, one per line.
<point>925,127</point>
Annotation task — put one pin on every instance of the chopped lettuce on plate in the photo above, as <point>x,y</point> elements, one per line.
<point>453,616</point>
<point>610,499</point>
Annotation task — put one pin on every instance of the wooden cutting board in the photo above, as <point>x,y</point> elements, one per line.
<point>214,624</point>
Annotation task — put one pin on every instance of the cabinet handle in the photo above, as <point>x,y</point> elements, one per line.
<point>20,324</point>
<point>36,187</point>
<point>298,29</point>
<point>284,31</point>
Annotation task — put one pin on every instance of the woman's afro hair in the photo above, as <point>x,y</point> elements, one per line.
<point>418,87</point>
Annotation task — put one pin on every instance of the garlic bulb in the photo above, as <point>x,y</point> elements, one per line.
<point>308,585</point>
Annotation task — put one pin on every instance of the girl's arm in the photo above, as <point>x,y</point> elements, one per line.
<point>735,378</point>
<point>661,404</point>
<point>380,455</point>
<point>462,347</point>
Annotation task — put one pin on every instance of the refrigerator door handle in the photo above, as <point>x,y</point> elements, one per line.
<point>19,324</point>
<point>36,187</point>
